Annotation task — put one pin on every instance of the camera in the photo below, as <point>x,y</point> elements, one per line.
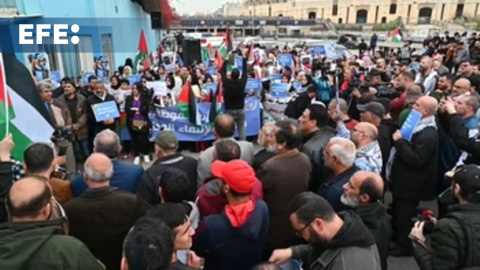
<point>62,137</point>
<point>426,216</point>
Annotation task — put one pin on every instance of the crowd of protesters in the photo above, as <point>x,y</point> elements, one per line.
<point>316,196</point>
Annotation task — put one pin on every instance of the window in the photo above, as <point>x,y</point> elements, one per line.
<point>384,20</point>
<point>459,12</point>
<point>393,9</point>
<point>107,49</point>
<point>335,10</point>
<point>340,21</point>
<point>312,15</point>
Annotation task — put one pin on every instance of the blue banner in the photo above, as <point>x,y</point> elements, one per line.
<point>275,77</point>
<point>105,110</point>
<point>318,50</point>
<point>239,63</point>
<point>211,70</point>
<point>409,125</point>
<point>297,86</point>
<point>170,118</point>
<point>254,85</point>
<point>134,78</point>
<point>209,87</point>
<point>285,60</point>
<point>55,76</point>
<point>279,90</point>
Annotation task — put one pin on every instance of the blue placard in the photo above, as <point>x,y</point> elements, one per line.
<point>297,86</point>
<point>170,118</point>
<point>55,76</point>
<point>211,70</point>
<point>239,63</point>
<point>209,87</point>
<point>279,90</point>
<point>409,125</point>
<point>318,50</point>
<point>276,77</point>
<point>105,110</point>
<point>253,85</point>
<point>85,78</point>
<point>285,60</point>
<point>134,78</point>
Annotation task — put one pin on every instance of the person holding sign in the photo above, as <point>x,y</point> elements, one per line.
<point>136,107</point>
<point>234,93</point>
<point>95,125</point>
<point>413,170</point>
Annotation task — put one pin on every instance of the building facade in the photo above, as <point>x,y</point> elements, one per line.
<point>365,11</point>
<point>116,38</point>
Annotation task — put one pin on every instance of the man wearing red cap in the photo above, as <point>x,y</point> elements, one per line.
<point>234,239</point>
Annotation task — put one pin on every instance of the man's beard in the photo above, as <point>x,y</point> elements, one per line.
<point>271,148</point>
<point>351,202</point>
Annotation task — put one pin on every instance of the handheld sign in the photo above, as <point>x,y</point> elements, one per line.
<point>285,60</point>
<point>134,78</point>
<point>409,125</point>
<point>210,87</point>
<point>279,90</point>
<point>105,110</point>
<point>159,88</point>
<point>297,86</point>
<point>55,76</point>
<point>211,70</point>
<point>275,77</point>
<point>239,63</point>
<point>254,85</point>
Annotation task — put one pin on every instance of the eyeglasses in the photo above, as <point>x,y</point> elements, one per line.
<point>299,233</point>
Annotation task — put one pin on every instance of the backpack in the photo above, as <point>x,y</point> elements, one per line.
<point>471,229</point>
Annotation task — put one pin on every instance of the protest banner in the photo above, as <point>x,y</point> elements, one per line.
<point>285,60</point>
<point>170,118</point>
<point>279,90</point>
<point>409,125</point>
<point>105,110</point>
<point>254,85</point>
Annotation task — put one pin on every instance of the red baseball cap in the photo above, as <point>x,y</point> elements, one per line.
<point>236,173</point>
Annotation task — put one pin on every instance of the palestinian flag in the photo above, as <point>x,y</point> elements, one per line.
<point>396,35</point>
<point>229,46</point>
<point>23,114</point>
<point>205,54</point>
<point>142,58</point>
<point>222,54</point>
<point>188,105</point>
<point>216,99</point>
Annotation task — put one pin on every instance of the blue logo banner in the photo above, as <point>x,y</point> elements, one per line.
<point>285,60</point>
<point>239,63</point>
<point>170,118</point>
<point>105,110</point>
<point>409,125</point>
<point>134,78</point>
<point>253,85</point>
<point>279,90</point>
<point>209,87</point>
<point>318,50</point>
<point>275,77</point>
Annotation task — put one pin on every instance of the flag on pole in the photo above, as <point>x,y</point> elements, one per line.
<point>205,54</point>
<point>141,60</point>
<point>188,105</point>
<point>22,112</point>
<point>216,99</point>
<point>396,35</point>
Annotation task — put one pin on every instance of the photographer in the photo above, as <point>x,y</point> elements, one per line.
<point>380,87</point>
<point>455,238</point>
<point>61,119</point>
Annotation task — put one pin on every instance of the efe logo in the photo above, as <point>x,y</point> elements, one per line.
<point>42,30</point>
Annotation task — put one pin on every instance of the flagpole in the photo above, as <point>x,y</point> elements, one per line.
<point>5,94</point>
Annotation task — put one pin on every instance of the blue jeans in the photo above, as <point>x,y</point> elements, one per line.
<point>83,144</point>
<point>239,117</point>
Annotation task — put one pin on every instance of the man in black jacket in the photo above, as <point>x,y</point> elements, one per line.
<point>316,132</point>
<point>100,95</point>
<point>297,105</point>
<point>413,172</point>
<point>455,240</point>
<point>363,193</point>
<point>336,241</point>
<point>234,94</point>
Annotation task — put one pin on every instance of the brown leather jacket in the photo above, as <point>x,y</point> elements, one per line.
<point>67,119</point>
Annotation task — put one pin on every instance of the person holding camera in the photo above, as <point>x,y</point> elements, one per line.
<point>61,119</point>
<point>455,239</point>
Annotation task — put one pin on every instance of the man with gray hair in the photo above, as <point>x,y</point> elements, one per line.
<point>339,156</point>
<point>103,215</point>
<point>126,175</point>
